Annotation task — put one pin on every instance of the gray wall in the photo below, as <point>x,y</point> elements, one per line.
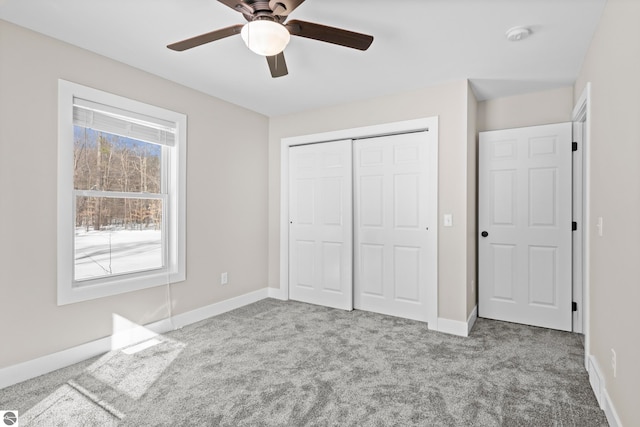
<point>532,109</point>
<point>226,197</point>
<point>612,65</point>
<point>227,225</point>
<point>450,103</point>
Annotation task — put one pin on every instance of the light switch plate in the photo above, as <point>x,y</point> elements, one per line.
<point>448,220</point>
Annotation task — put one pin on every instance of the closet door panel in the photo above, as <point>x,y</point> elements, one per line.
<point>320,224</point>
<point>395,225</point>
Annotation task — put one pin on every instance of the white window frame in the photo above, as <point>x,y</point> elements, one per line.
<point>174,158</point>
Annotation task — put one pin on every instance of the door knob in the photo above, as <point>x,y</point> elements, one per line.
<point>484,234</point>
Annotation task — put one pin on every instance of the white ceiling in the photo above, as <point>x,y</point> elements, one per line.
<point>417,43</point>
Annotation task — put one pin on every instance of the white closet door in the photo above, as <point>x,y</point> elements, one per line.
<point>395,257</point>
<point>320,224</point>
<point>525,225</point>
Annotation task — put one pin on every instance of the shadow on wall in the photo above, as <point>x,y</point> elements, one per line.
<point>504,88</point>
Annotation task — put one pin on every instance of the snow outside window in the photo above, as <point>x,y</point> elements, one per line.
<point>121,194</point>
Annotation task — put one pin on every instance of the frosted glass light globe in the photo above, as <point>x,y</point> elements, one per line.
<point>266,38</point>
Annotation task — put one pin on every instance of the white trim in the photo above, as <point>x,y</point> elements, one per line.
<point>453,327</point>
<point>208,311</point>
<point>175,226</point>
<point>278,294</point>
<point>596,380</point>
<point>45,364</point>
<point>582,112</point>
<point>598,385</point>
<point>129,333</point>
<point>361,132</point>
<point>582,105</point>
<point>456,327</point>
<point>610,411</point>
<point>429,123</point>
<point>471,320</point>
<point>577,236</point>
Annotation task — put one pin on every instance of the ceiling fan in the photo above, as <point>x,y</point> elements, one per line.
<point>267,34</point>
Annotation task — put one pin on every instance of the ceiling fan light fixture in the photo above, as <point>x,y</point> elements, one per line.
<point>264,37</point>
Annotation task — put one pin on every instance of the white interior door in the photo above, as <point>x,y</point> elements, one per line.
<point>320,224</point>
<point>395,254</point>
<point>525,225</point>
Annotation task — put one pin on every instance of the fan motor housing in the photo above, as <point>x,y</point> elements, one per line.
<point>261,9</point>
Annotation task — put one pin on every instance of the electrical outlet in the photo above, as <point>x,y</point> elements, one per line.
<point>224,278</point>
<point>614,362</point>
<point>600,226</point>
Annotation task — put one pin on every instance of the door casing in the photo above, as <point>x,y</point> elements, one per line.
<point>582,115</point>
<point>417,125</point>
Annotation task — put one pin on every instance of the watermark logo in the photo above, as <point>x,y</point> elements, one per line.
<point>9,418</point>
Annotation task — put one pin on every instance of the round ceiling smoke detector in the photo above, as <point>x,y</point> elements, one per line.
<point>518,33</point>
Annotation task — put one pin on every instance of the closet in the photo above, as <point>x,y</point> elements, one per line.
<point>362,224</point>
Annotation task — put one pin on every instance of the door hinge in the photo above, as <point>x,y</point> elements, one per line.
<point>574,146</point>
<point>574,226</point>
<point>574,306</point>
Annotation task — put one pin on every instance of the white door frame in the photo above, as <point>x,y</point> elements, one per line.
<point>416,125</point>
<point>582,114</point>
<point>578,233</point>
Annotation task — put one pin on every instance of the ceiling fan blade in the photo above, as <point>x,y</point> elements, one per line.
<point>239,6</point>
<point>206,38</point>
<point>277,65</point>
<point>329,34</point>
<point>284,7</point>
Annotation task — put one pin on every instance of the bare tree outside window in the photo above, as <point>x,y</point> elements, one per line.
<point>121,232</point>
<point>121,182</point>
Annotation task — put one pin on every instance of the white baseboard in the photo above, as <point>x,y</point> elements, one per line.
<point>600,390</point>
<point>595,379</point>
<point>471,320</point>
<point>202,313</point>
<point>278,293</point>
<point>610,411</point>
<point>456,327</point>
<point>45,364</point>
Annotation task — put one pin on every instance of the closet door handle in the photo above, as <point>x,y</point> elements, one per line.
<point>484,234</point>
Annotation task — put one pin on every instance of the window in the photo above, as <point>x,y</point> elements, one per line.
<point>121,194</point>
